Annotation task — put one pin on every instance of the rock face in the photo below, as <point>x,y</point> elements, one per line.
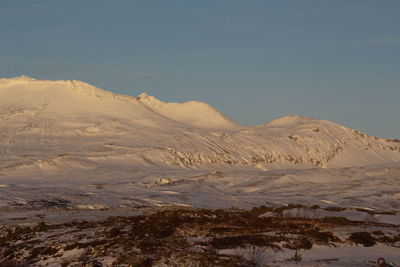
<point>55,126</point>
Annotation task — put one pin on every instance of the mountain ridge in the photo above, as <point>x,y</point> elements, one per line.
<point>97,127</point>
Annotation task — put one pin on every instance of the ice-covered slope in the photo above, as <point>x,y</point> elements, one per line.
<point>193,113</point>
<point>41,101</point>
<point>43,98</point>
<point>328,144</point>
<point>48,127</point>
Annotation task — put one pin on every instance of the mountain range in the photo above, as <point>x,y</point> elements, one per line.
<point>70,144</point>
<point>54,124</point>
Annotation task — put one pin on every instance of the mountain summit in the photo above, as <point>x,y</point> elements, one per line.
<point>193,113</point>
<point>93,128</point>
<point>79,98</point>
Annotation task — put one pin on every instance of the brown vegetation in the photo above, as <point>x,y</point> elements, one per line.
<point>176,235</point>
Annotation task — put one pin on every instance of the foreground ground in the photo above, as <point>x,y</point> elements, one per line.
<point>291,235</point>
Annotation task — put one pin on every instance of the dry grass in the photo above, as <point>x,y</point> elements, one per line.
<point>187,235</point>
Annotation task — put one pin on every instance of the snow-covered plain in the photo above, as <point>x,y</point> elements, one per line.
<point>70,145</point>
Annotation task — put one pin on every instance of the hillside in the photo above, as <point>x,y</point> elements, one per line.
<point>47,125</point>
<point>68,144</point>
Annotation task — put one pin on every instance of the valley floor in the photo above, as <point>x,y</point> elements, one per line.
<point>309,217</point>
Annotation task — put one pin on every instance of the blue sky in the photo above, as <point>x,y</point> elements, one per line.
<point>253,60</point>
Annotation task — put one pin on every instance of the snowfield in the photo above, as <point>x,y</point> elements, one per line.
<point>67,147</point>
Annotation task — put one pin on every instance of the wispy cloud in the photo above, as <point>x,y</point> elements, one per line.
<point>381,41</point>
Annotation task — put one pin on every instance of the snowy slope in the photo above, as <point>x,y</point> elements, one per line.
<point>68,143</point>
<point>193,113</point>
<point>56,125</point>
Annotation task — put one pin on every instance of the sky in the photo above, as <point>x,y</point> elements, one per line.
<point>254,61</point>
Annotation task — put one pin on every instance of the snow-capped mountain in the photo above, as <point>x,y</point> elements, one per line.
<point>49,126</point>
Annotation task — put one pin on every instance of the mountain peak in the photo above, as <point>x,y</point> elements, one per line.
<point>23,78</point>
<point>289,121</point>
<point>292,119</point>
<point>145,97</point>
<point>83,97</point>
<point>193,113</point>
<point>26,83</point>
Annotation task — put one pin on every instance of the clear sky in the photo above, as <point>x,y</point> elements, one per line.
<point>253,60</point>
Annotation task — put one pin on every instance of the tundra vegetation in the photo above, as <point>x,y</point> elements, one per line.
<point>187,237</point>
